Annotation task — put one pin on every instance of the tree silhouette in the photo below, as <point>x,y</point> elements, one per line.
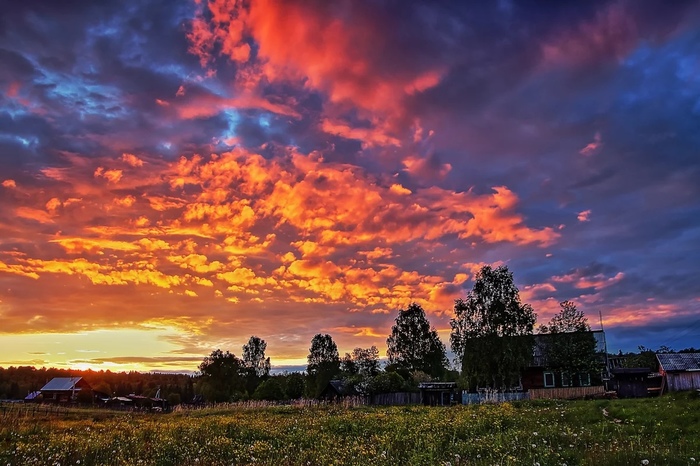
<point>413,345</point>
<point>323,363</point>
<point>492,330</point>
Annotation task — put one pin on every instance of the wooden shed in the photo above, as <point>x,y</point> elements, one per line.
<point>635,382</point>
<point>680,371</point>
<point>438,393</point>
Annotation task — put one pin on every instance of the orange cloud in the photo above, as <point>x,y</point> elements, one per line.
<point>132,160</point>
<point>9,184</point>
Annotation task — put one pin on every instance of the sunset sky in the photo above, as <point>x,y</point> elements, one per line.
<point>176,176</point>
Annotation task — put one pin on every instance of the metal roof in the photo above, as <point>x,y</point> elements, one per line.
<point>62,383</point>
<point>679,361</point>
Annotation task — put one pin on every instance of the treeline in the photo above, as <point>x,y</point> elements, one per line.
<point>492,337</point>
<point>18,382</point>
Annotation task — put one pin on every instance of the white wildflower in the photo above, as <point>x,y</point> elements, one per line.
<point>645,462</point>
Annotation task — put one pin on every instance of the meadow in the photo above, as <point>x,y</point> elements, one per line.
<point>659,431</point>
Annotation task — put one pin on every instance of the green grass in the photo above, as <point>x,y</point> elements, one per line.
<point>663,431</point>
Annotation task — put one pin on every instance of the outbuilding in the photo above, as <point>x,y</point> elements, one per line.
<point>438,393</point>
<point>64,389</point>
<point>680,371</point>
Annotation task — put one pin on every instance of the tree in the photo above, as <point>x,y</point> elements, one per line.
<point>323,363</point>
<point>413,345</point>
<point>492,330</point>
<point>362,362</point>
<point>222,376</point>
<point>270,389</point>
<point>254,356</point>
<point>568,320</point>
<point>295,386</point>
<point>570,347</point>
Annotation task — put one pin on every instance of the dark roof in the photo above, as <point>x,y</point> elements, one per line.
<point>679,361</point>
<point>32,396</point>
<point>63,384</point>
<point>337,385</point>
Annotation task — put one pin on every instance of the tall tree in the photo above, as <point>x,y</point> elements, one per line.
<point>254,356</point>
<point>363,362</point>
<point>570,347</point>
<point>323,363</point>
<point>492,330</point>
<point>414,345</point>
<point>222,376</point>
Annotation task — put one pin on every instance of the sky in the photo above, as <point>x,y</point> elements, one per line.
<point>176,176</point>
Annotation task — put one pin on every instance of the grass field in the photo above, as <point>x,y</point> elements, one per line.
<point>660,431</point>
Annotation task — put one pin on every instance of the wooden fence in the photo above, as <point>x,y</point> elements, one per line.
<point>566,393</point>
<point>394,399</point>
<point>24,411</point>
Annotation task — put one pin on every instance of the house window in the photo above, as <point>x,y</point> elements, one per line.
<point>549,379</point>
<point>584,379</point>
<point>565,379</point>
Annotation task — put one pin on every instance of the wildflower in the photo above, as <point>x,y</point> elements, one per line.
<point>535,434</point>
<point>536,464</point>
<point>645,462</point>
<point>533,445</point>
<point>692,459</point>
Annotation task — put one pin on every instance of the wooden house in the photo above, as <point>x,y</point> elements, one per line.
<point>680,371</point>
<point>64,389</point>
<point>538,376</point>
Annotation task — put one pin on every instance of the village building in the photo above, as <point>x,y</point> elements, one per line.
<point>64,389</point>
<point>680,371</point>
<point>538,376</point>
<point>438,393</point>
<point>634,382</point>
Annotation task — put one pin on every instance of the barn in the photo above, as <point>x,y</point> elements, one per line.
<point>680,371</point>
<point>64,389</point>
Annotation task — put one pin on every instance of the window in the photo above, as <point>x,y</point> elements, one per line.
<point>549,379</point>
<point>565,379</point>
<point>584,379</point>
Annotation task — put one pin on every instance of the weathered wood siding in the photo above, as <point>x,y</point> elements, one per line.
<point>681,381</point>
<point>566,393</point>
<point>398,398</point>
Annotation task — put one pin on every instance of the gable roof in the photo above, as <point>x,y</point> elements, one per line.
<point>63,383</point>
<point>679,361</point>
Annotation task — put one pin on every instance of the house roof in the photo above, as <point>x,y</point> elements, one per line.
<point>679,361</point>
<point>62,383</point>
